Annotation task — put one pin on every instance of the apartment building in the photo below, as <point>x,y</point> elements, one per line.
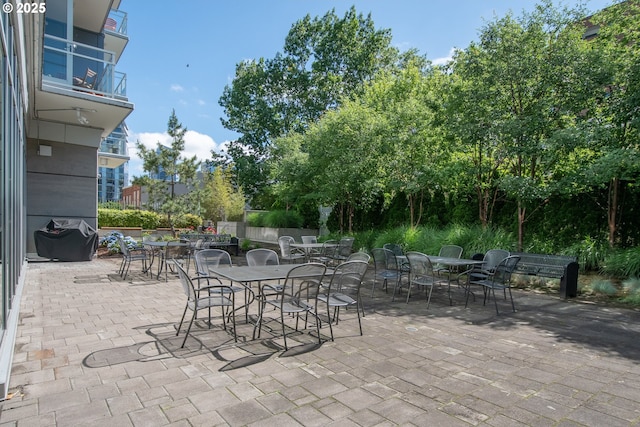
<point>62,97</point>
<point>112,165</point>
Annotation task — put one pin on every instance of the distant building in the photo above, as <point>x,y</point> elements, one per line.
<point>113,167</point>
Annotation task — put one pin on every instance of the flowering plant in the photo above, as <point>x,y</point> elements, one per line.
<point>111,242</point>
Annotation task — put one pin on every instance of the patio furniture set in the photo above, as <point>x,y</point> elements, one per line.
<point>324,277</point>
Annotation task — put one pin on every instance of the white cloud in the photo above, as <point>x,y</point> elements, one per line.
<point>445,60</point>
<point>201,102</point>
<point>176,88</point>
<point>195,144</point>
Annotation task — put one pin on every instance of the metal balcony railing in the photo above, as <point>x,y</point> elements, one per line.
<point>81,67</point>
<point>114,145</point>
<point>116,22</point>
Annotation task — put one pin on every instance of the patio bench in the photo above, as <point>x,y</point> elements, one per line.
<point>561,267</point>
<point>215,241</point>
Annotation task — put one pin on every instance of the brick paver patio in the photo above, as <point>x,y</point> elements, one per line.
<point>95,350</point>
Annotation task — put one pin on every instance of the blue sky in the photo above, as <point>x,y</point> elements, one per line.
<point>181,54</point>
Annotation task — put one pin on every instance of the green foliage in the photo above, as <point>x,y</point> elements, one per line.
<point>128,218</point>
<point>283,219</point>
<point>631,285</point>
<point>110,205</point>
<point>590,252</point>
<point>604,287</point>
<point>429,240</point>
<point>188,221</point>
<point>175,169</point>
<point>221,201</point>
<point>256,219</point>
<point>279,218</point>
<point>324,61</point>
<point>631,289</point>
<point>245,245</point>
<point>623,263</point>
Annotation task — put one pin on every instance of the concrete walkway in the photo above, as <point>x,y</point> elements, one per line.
<point>93,350</point>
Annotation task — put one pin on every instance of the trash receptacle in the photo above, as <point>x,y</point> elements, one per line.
<point>67,239</point>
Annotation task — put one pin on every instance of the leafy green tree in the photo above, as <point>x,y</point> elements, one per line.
<point>532,79</point>
<point>222,202</point>
<point>616,118</point>
<point>167,169</point>
<point>325,60</point>
<point>414,149</point>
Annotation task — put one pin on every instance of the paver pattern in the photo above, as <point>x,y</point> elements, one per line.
<point>95,350</point>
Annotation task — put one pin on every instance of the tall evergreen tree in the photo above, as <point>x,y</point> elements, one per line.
<point>167,168</point>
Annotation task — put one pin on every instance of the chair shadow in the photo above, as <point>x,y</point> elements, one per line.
<point>203,339</point>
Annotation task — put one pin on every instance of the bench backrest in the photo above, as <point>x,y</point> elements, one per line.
<point>544,265</point>
<point>216,238</point>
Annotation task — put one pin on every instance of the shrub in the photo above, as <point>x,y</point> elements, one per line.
<point>283,219</point>
<point>187,221</point>
<point>623,263</point>
<point>110,241</point>
<point>128,218</point>
<point>591,253</point>
<point>605,287</point>
<point>631,289</point>
<point>256,219</point>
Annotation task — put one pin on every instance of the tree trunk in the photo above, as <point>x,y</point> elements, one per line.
<point>521,215</point>
<point>351,213</point>
<point>612,208</point>
<point>483,206</point>
<point>411,209</point>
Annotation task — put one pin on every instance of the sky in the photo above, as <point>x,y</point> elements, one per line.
<point>182,54</point>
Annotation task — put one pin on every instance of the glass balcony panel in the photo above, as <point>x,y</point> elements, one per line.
<point>116,22</point>
<point>92,69</point>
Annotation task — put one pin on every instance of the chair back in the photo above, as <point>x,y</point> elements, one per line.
<point>347,278</point>
<point>186,282</point>
<point>302,284</point>
<point>176,250</point>
<point>123,247</point>
<point>383,259</point>
<point>359,256</point>
<point>329,247</point>
<point>344,247</point>
<point>492,258</point>
<point>262,256</point>
<point>395,248</point>
<point>285,245</point>
<point>208,259</point>
<point>504,269</point>
<point>309,239</point>
<point>450,251</point>
<point>421,268</point>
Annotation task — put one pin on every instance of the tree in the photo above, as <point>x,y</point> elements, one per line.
<point>325,61</point>
<point>414,150</point>
<point>532,78</point>
<point>616,124</point>
<point>222,201</point>
<point>167,168</point>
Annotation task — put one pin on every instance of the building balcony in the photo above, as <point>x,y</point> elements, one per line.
<point>115,32</point>
<point>113,151</point>
<point>80,84</point>
<point>80,67</point>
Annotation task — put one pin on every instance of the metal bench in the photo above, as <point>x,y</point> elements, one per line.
<point>215,241</point>
<point>560,267</point>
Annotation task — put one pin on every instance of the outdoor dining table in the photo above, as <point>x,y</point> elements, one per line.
<point>246,275</point>
<point>158,246</point>
<point>309,247</point>
<point>402,260</point>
